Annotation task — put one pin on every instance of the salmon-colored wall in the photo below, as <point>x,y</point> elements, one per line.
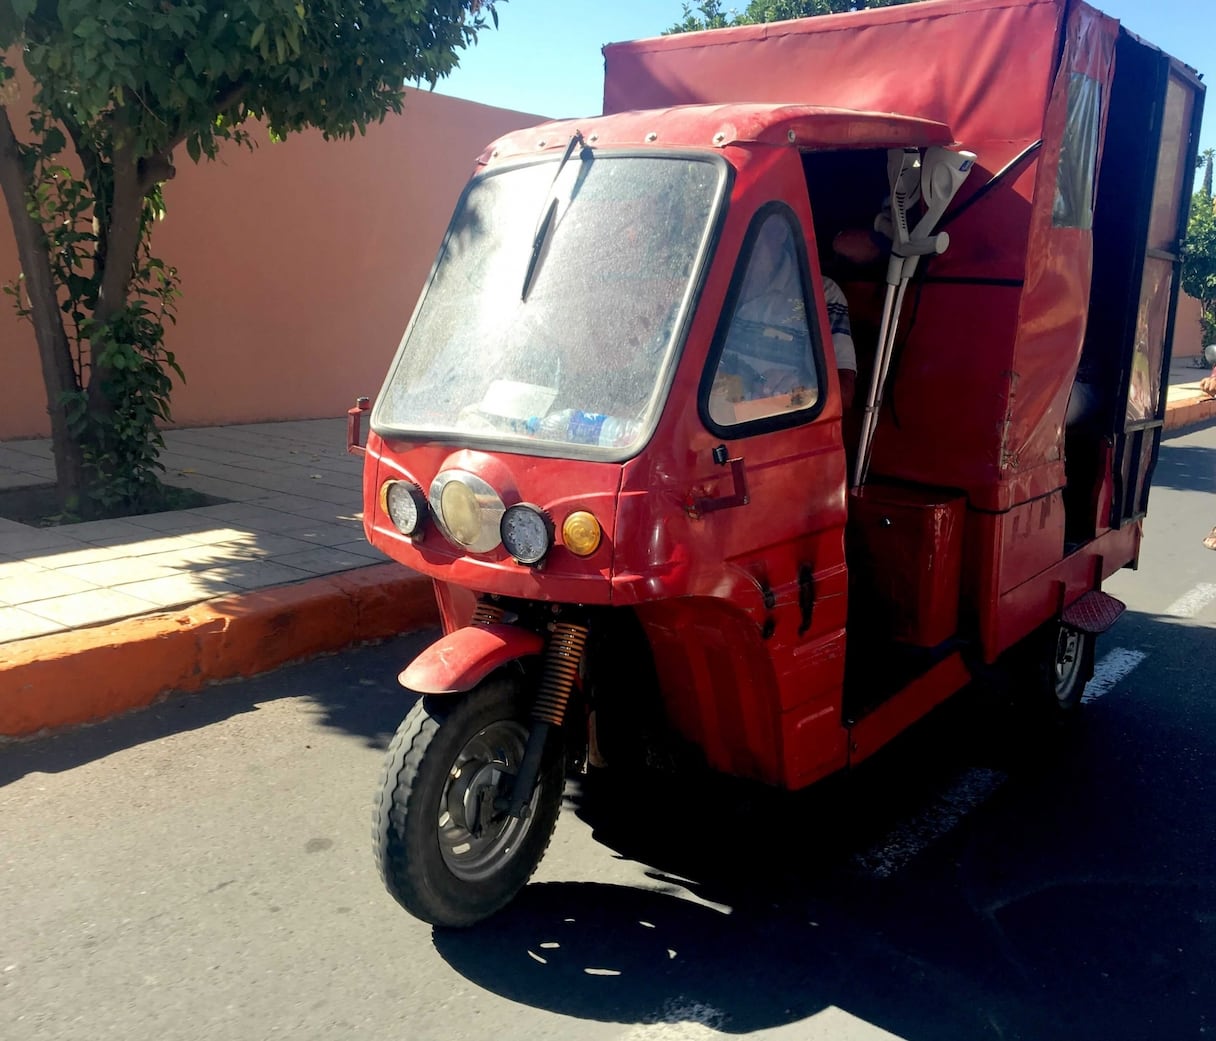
<point>300,265</point>
<point>1188,336</point>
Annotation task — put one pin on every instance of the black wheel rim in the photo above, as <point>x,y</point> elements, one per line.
<point>476,838</point>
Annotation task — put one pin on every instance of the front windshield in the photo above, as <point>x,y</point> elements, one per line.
<point>583,357</point>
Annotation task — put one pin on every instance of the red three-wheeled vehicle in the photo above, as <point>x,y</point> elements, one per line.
<point>618,433</point>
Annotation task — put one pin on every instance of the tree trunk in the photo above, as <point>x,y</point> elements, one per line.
<point>121,237</point>
<point>58,372</point>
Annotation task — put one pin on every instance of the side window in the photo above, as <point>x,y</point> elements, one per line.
<point>767,367</point>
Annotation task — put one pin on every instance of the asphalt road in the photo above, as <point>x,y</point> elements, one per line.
<point>202,869</point>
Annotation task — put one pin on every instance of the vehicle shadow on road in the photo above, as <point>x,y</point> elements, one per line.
<point>1076,901</point>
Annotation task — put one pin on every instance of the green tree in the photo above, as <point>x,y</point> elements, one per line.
<point>119,87</point>
<point>713,14</point>
<point>1199,260</point>
<point>1199,250</point>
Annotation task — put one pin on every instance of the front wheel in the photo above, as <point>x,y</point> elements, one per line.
<point>447,851</point>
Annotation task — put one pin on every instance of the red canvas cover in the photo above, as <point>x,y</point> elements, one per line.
<point>983,379</point>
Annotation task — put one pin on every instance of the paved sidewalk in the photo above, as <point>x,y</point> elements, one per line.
<point>294,512</point>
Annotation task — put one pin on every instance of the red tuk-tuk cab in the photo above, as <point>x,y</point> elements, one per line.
<point>615,436</point>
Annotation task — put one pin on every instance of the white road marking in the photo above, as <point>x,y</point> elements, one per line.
<point>1114,666</point>
<point>680,1020</point>
<point>1190,604</point>
<point>909,839</point>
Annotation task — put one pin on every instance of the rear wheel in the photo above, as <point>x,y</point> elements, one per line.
<point>1050,668</point>
<point>447,851</point>
<point>1072,665</point>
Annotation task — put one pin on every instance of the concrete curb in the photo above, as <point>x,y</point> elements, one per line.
<point>92,674</point>
<point>1189,411</point>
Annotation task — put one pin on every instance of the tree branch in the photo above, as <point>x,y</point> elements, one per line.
<point>159,166</point>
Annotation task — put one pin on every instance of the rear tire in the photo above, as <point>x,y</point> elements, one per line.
<point>444,853</point>
<point>1071,667</point>
<point>1050,668</point>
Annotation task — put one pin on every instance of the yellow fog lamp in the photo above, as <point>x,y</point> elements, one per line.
<point>581,533</point>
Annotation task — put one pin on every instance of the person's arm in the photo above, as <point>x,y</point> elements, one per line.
<point>842,339</point>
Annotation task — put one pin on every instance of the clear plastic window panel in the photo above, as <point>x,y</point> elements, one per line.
<point>1076,174</point>
<point>767,367</point>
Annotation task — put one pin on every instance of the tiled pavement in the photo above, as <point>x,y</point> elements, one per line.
<point>294,512</point>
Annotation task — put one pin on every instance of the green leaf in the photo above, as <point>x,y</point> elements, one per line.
<point>53,141</point>
<point>258,33</point>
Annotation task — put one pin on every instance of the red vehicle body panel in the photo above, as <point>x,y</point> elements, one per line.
<point>463,658</point>
<point>1000,325</point>
<point>745,608</point>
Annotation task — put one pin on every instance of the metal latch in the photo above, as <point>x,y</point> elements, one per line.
<point>700,505</point>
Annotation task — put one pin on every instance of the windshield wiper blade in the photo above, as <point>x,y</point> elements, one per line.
<point>542,233</point>
<point>545,223</point>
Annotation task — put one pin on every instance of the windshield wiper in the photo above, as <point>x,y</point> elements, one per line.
<point>545,224</point>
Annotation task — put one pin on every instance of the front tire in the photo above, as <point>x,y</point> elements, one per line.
<point>444,852</point>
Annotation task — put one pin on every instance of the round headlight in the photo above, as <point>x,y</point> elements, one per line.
<point>405,505</point>
<point>581,533</point>
<point>527,533</point>
<point>467,510</point>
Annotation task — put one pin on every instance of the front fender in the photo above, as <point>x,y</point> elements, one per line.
<point>462,659</point>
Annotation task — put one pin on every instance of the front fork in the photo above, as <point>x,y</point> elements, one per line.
<point>562,655</point>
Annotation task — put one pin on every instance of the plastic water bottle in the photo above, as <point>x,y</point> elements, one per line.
<point>570,424</point>
<point>583,428</point>
<point>617,432</point>
<point>553,427</point>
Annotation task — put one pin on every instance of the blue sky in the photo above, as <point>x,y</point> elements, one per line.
<point>545,57</point>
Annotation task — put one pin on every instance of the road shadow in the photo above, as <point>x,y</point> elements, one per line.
<point>356,689</point>
<point>1076,902</point>
<point>1180,432</point>
<point>1185,467</point>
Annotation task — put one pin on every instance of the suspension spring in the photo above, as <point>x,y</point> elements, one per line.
<point>562,658</point>
<point>486,613</point>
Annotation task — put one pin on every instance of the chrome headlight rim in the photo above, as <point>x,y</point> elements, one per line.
<point>528,513</point>
<point>488,509</point>
<point>415,496</point>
